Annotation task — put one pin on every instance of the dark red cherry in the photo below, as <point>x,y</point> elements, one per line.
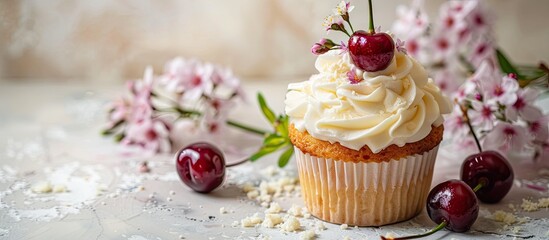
<point>201,166</point>
<point>371,52</point>
<point>490,169</point>
<point>455,202</point>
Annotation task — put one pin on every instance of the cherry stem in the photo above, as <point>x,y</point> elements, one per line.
<point>481,183</point>
<point>189,113</point>
<point>241,161</point>
<point>371,28</point>
<point>468,121</point>
<point>434,230</point>
<point>246,127</point>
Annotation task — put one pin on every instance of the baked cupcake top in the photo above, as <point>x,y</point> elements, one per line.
<point>397,105</point>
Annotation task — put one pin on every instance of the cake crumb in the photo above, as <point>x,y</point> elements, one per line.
<point>271,220</point>
<point>343,226</point>
<point>42,187</point>
<point>291,225</point>
<point>251,221</point>
<point>346,238</point>
<point>504,217</point>
<point>308,235</point>
<point>222,210</point>
<point>252,194</point>
<point>59,188</point>
<point>295,211</point>
<point>274,208</point>
<point>528,205</point>
<point>172,192</point>
<point>320,225</point>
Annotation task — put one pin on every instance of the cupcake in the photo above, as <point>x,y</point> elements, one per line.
<point>365,142</point>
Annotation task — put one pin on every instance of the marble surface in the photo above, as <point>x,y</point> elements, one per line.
<point>50,133</point>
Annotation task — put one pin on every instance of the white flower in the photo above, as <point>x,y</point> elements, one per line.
<point>343,8</point>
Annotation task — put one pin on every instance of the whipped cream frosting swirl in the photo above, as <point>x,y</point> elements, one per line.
<point>397,105</point>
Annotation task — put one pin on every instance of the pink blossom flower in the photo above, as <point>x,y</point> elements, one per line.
<point>455,123</point>
<point>400,46</point>
<point>150,134</point>
<point>481,51</point>
<point>539,128</point>
<point>353,76</point>
<point>190,78</point>
<point>495,88</point>
<point>412,22</point>
<point>119,111</point>
<point>523,106</point>
<point>447,80</point>
<point>321,46</point>
<point>482,115</point>
<point>505,136</point>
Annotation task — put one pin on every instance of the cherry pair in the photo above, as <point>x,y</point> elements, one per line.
<point>453,204</point>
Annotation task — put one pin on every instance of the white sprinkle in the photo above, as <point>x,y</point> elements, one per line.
<point>344,226</point>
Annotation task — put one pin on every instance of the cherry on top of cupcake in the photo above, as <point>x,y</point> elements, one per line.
<point>370,51</point>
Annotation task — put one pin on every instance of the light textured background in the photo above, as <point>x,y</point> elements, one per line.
<point>104,40</point>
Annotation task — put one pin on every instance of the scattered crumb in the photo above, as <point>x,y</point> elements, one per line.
<point>271,220</point>
<point>274,208</point>
<point>528,205</point>
<point>172,192</point>
<point>295,210</point>
<point>59,188</point>
<point>103,203</point>
<point>251,221</point>
<point>308,235</point>
<point>169,199</point>
<point>320,225</point>
<point>253,194</point>
<point>291,224</point>
<point>346,238</point>
<point>389,235</point>
<point>543,203</point>
<point>42,187</point>
<point>141,188</point>
<point>181,237</point>
<point>235,224</point>
<point>222,210</point>
<point>344,226</point>
<point>504,217</point>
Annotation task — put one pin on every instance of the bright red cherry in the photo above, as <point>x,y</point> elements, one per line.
<point>201,166</point>
<point>371,51</point>
<point>455,203</point>
<point>490,169</point>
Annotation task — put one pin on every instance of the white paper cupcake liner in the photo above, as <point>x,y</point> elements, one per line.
<point>365,194</point>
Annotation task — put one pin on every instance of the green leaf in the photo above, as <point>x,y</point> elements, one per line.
<point>273,140</point>
<point>505,64</point>
<point>269,114</point>
<point>285,157</point>
<point>264,150</point>
<point>282,126</point>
